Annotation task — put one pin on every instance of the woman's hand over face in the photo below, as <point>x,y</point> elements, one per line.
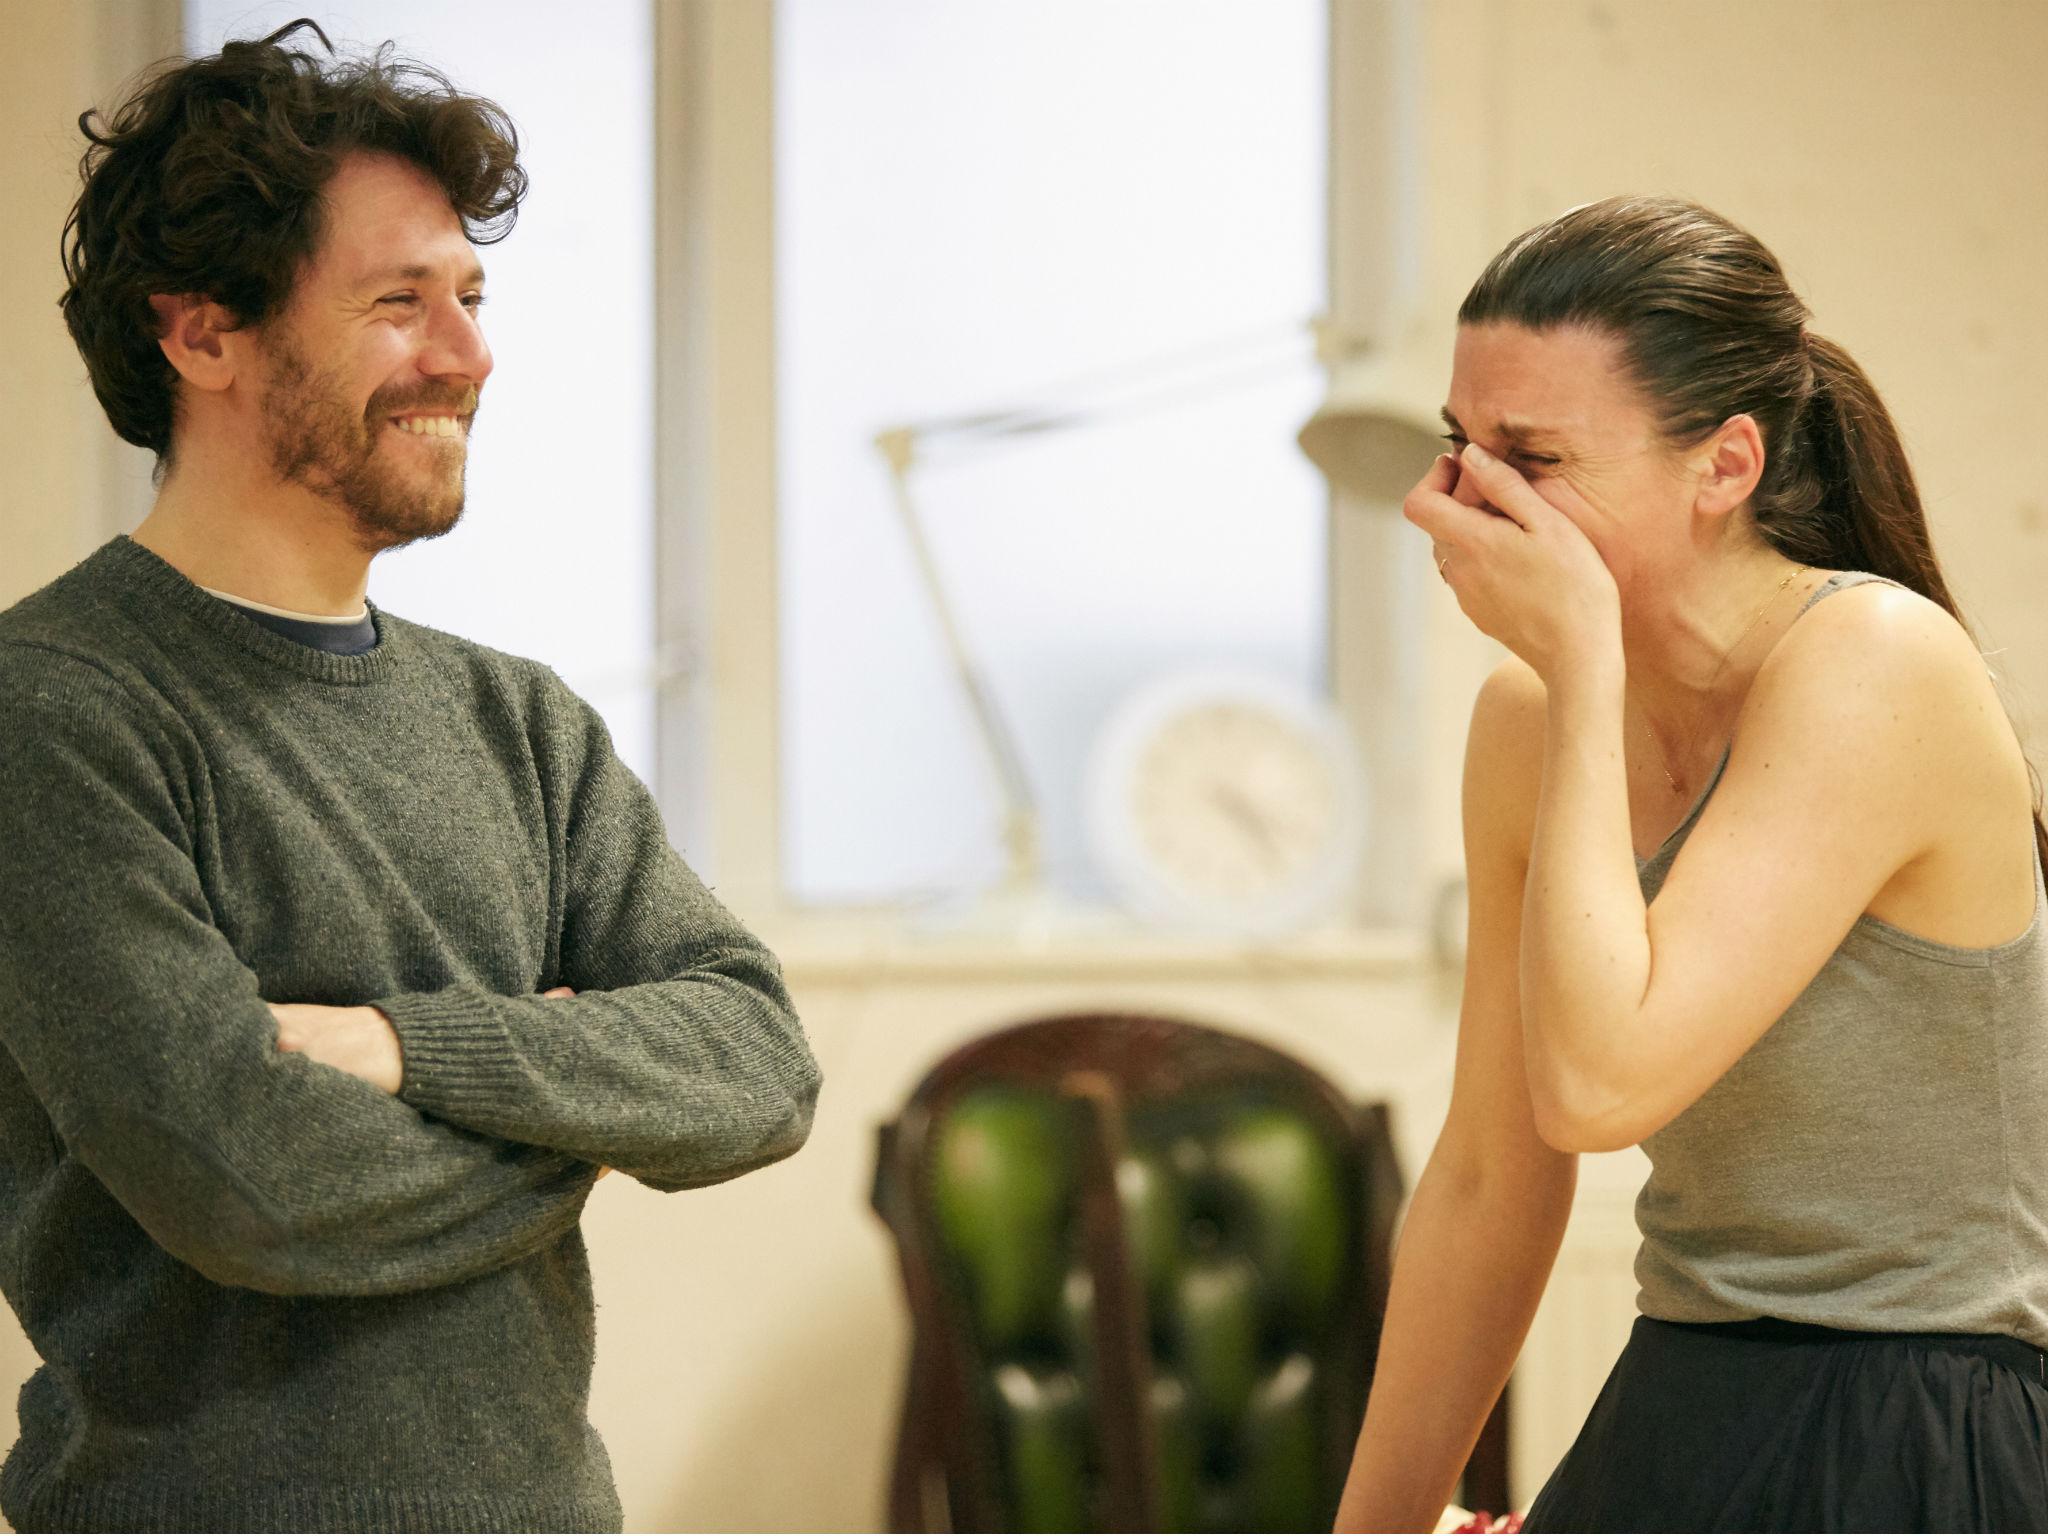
<point>1524,574</point>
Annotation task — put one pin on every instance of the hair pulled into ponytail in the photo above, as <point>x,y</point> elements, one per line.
<point>1844,496</point>
<point>1710,328</point>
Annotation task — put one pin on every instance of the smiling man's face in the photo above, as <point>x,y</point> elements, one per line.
<point>375,364</point>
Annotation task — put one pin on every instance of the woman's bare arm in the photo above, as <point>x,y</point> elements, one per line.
<point>1489,1211</point>
<point>1864,722</point>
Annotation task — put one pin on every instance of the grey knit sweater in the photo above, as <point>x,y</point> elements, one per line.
<point>267,1294</point>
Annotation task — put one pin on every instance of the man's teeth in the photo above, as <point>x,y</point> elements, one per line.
<point>429,426</point>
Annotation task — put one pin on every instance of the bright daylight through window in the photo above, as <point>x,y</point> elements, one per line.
<point>1116,228</point>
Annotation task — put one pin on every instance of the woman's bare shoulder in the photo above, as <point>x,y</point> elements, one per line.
<point>1884,639</point>
<point>1894,685</point>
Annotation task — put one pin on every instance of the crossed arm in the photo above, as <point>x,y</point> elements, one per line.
<point>360,1041</point>
<point>213,1115</point>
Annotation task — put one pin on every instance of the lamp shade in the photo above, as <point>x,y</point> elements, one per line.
<point>1366,440</point>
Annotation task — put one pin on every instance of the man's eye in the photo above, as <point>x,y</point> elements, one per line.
<point>473,302</point>
<point>400,298</point>
<point>1456,440</point>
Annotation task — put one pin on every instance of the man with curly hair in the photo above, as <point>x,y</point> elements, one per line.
<point>343,956</point>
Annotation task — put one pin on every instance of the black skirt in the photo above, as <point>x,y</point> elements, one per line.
<point>1776,1426</point>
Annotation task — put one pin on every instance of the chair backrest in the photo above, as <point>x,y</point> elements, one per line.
<point>1146,1262</point>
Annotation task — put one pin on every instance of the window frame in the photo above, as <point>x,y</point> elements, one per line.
<point>718,773</point>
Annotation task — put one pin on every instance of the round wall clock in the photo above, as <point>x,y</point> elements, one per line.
<point>1227,802</point>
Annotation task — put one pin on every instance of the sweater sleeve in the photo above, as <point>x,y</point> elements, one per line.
<point>680,1061</point>
<point>152,1050</point>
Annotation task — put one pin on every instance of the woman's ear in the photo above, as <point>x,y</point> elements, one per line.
<point>1730,463</point>
<point>193,332</point>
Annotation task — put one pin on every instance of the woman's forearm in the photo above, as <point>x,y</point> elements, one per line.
<point>1585,949</point>
<point>1469,1273</point>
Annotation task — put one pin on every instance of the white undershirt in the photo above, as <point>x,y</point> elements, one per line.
<point>286,613</point>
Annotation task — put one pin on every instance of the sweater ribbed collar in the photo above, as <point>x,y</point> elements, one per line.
<point>162,590</point>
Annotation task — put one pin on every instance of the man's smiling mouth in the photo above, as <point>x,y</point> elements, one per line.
<point>429,426</point>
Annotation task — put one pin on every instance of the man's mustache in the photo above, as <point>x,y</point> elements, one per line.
<point>463,403</point>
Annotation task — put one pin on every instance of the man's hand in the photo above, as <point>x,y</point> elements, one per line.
<point>359,1041</point>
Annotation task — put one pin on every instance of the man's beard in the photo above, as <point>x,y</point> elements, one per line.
<point>318,442</point>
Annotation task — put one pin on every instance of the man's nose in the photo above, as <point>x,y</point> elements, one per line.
<point>456,347</point>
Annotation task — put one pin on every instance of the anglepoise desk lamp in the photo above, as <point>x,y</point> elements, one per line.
<point>1363,439</point>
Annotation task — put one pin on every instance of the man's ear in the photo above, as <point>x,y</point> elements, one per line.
<point>194,332</point>
<point>1730,463</point>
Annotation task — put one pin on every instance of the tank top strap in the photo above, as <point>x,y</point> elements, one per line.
<point>1841,581</point>
<point>1658,863</point>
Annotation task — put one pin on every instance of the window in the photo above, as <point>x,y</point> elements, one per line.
<point>1115,210</point>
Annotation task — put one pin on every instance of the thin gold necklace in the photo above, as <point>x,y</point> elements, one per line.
<point>1665,762</point>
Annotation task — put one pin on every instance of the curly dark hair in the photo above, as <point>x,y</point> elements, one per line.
<point>208,180</point>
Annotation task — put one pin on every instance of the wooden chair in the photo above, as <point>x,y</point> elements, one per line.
<point>1146,1263</point>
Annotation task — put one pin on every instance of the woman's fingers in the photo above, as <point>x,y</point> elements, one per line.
<point>1441,480</point>
<point>1503,487</point>
<point>1430,506</point>
<point>1444,519</point>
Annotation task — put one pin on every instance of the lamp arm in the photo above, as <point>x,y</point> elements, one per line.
<point>1020,811</point>
<point>1197,374</point>
<point>1191,374</point>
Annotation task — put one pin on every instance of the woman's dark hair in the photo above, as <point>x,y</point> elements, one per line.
<point>1708,329</point>
<point>208,180</point>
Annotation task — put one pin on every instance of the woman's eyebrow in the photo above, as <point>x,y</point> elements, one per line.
<point>1513,430</point>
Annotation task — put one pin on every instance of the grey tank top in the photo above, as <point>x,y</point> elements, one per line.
<point>1879,1158</point>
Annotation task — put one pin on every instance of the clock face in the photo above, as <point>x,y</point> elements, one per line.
<point>1227,802</point>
